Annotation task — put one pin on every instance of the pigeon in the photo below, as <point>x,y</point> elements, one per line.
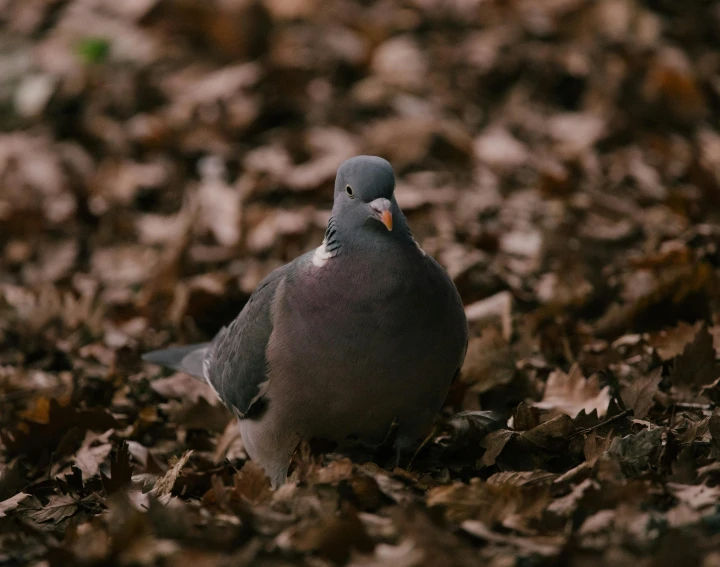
<point>358,337</point>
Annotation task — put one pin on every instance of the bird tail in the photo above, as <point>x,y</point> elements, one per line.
<point>189,358</point>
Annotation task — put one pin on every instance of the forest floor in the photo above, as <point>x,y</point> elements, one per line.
<point>561,159</point>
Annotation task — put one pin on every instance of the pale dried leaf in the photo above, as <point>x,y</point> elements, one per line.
<point>11,503</point>
<point>638,394</point>
<point>165,484</point>
<point>670,343</point>
<point>572,393</point>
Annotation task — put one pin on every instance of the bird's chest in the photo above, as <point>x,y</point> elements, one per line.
<point>364,316</point>
<point>354,353</point>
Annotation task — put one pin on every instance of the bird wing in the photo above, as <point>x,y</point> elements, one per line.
<point>235,363</point>
<point>188,358</point>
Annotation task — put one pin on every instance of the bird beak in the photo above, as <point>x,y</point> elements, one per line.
<point>383,210</point>
<point>386,218</point>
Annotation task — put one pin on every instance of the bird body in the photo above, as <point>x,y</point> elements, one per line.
<point>363,332</point>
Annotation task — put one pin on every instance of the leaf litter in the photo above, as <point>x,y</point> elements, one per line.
<point>562,160</point>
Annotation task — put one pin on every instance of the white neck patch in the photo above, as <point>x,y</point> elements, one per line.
<point>321,255</point>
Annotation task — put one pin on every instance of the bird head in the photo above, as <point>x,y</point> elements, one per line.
<point>364,196</point>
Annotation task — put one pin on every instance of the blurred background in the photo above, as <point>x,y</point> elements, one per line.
<point>171,153</point>
<point>561,159</point>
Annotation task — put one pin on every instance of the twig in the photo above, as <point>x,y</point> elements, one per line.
<point>671,422</point>
<point>601,424</point>
<point>685,405</point>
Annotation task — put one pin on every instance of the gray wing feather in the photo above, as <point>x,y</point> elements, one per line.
<point>188,358</point>
<point>236,365</point>
<point>234,362</point>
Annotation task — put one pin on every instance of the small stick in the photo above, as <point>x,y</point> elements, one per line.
<point>601,424</point>
<point>685,405</point>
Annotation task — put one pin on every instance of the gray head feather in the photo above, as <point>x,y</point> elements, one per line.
<point>364,191</point>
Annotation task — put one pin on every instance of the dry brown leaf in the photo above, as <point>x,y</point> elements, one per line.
<point>595,447</point>
<point>200,414</point>
<point>12,503</point>
<point>12,479</point>
<point>496,147</point>
<point>220,211</point>
<point>522,478</point>
<point>638,394</point>
<point>551,435</point>
<point>715,332</point>
<point>494,309</point>
<point>160,158</point>
<point>637,453</point>
<point>120,471</point>
<point>123,265</point>
<point>495,443</point>
<point>572,393</point>
<point>567,505</point>
<point>698,497</point>
<point>89,459</point>
<point>489,361</point>
<point>400,63</point>
<point>252,484</point>
<point>670,343</point>
<point>335,537</point>
<point>164,485</point>
<point>58,508</point>
<point>696,366</point>
<point>544,547</point>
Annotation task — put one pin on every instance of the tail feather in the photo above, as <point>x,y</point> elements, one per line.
<point>187,358</point>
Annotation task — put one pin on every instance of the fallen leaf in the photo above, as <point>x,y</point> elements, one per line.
<point>11,503</point>
<point>525,417</point>
<point>714,427</point>
<point>498,148</point>
<point>544,547</point>
<point>638,394</point>
<point>12,479</point>
<point>489,361</point>
<point>90,457</point>
<point>598,522</point>
<point>334,472</point>
<point>467,429</point>
<point>123,265</point>
<point>57,509</point>
<point>252,484</point>
<point>335,537</point>
<point>670,343</point>
<point>595,447</point>
<point>572,393</point>
<point>400,62</point>
<point>566,505</point>
<point>201,414</point>
<point>551,435</point>
<point>120,471</point>
<point>637,453</point>
<point>697,497</point>
<point>696,366</point>
<point>45,430</point>
<point>164,484</point>
<point>219,202</point>
<point>495,443</point>
<point>522,478</point>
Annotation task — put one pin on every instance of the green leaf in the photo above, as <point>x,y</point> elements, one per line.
<point>93,50</point>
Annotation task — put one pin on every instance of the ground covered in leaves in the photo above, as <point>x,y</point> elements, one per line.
<point>560,158</point>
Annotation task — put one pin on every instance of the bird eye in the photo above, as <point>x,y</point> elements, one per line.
<point>349,191</point>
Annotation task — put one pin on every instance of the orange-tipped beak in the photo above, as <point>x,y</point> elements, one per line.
<point>386,218</point>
